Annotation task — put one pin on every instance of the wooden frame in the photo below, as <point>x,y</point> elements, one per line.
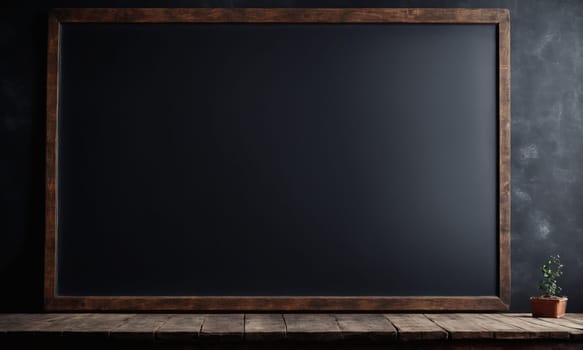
<point>499,17</point>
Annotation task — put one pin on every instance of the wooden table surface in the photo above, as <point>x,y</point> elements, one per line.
<point>315,328</point>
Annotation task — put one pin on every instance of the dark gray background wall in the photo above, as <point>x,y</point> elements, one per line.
<point>547,136</point>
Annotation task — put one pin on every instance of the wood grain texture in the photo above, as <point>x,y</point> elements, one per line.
<point>504,205</point>
<point>181,328</point>
<point>539,328</point>
<point>365,327</point>
<point>53,302</point>
<point>223,327</point>
<point>264,327</point>
<point>275,304</point>
<point>95,325</point>
<point>460,326</point>
<point>16,323</point>
<point>51,159</point>
<point>52,326</point>
<point>11,321</point>
<point>502,329</point>
<point>416,327</point>
<point>493,323</point>
<point>312,327</point>
<point>38,324</point>
<point>576,324</point>
<point>140,327</point>
<point>280,15</point>
<point>574,317</point>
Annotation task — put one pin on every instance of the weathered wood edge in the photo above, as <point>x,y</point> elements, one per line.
<point>319,327</point>
<point>281,15</point>
<point>504,269</point>
<point>265,327</point>
<point>23,325</point>
<point>460,327</point>
<point>181,328</point>
<point>139,327</point>
<point>95,325</point>
<point>223,328</point>
<point>366,327</point>
<point>502,330</point>
<point>545,328</point>
<point>425,328</point>
<point>275,304</point>
<point>51,214</point>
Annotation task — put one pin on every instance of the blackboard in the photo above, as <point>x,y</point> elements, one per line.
<point>277,159</point>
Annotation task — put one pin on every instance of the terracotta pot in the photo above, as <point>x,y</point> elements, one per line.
<point>548,307</point>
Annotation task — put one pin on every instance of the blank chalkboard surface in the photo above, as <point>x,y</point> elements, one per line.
<point>277,160</point>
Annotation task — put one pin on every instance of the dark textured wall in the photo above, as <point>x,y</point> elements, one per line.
<point>547,137</point>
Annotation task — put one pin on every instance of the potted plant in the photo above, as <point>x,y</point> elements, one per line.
<point>550,303</point>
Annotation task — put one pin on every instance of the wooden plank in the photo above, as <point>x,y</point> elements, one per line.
<point>40,324</point>
<point>319,327</point>
<point>312,327</point>
<point>264,327</point>
<point>501,329</point>
<point>460,326</point>
<point>416,327</point>
<point>181,328</point>
<point>95,325</point>
<point>369,327</point>
<point>52,104</point>
<point>568,323</point>
<point>223,327</point>
<point>574,317</point>
<point>59,323</point>
<point>140,327</point>
<point>10,321</point>
<point>538,329</point>
<point>272,15</point>
<point>27,323</point>
<point>332,304</point>
<point>504,180</point>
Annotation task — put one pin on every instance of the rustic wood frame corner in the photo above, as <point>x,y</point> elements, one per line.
<point>498,17</point>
